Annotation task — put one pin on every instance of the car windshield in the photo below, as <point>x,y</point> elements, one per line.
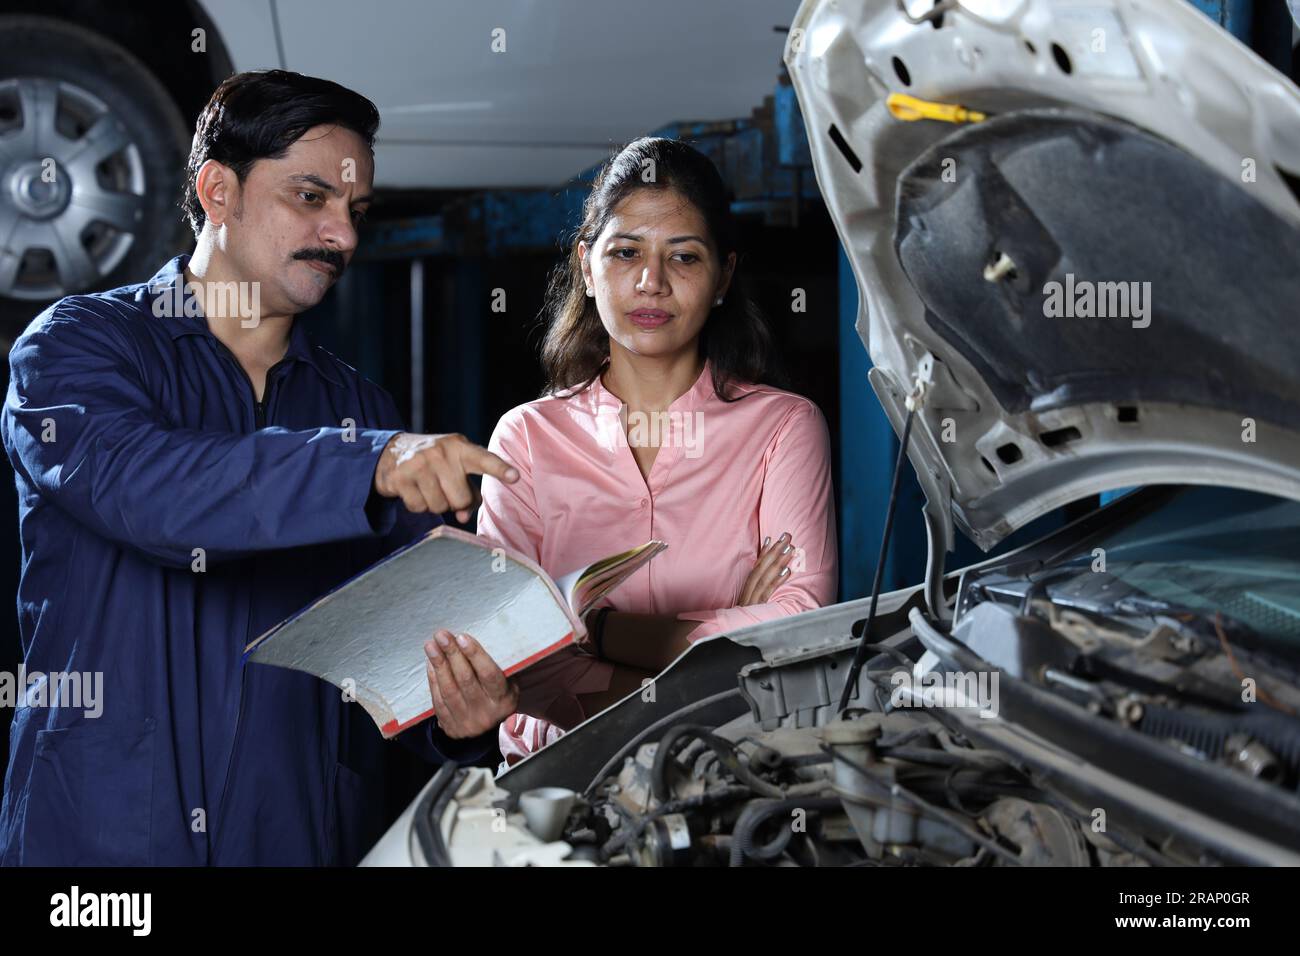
<point>1216,550</point>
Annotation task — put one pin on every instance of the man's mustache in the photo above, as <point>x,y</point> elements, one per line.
<point>327,256</point>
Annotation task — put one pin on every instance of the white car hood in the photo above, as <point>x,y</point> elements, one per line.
<point>1168,154</point>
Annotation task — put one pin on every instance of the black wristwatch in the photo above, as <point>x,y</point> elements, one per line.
<point>597,631</point>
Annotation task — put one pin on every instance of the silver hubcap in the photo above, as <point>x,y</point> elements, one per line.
<point>71,189</point>
<point>39,190</point>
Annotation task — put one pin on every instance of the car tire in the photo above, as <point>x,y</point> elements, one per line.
<point>86,131</point>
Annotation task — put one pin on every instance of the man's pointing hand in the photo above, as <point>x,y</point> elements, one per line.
<point>430,473</point>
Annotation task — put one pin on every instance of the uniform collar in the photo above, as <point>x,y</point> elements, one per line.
<point>171,277</point>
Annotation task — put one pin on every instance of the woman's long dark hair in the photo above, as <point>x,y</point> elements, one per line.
<point>735,339</point>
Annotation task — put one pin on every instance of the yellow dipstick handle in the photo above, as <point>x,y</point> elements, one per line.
<point>909,108</point>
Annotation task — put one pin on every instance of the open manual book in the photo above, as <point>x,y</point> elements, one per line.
<point>367,636</point>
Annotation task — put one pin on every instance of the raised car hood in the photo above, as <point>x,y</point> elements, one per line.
<point>1126,142</point>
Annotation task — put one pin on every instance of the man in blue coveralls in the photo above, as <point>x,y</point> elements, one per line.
<point>191,469</point>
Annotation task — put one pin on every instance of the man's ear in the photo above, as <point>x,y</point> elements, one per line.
<point>217,188</point>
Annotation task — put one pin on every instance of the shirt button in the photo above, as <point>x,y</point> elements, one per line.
<point>643,502</point>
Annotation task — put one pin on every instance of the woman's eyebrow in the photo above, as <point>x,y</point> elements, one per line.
<point>635,238</point>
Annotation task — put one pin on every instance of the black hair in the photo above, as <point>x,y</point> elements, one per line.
<point>259,115</point>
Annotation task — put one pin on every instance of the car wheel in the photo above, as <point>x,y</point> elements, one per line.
<point>92,154</point>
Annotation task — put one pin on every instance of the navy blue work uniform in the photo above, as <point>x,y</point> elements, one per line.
<point>167,519</point>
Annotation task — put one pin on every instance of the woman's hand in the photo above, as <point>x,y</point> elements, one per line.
<point>470,693</point>
<point>772,568</point>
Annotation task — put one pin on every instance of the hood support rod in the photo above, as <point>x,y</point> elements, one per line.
<point>866,640</point>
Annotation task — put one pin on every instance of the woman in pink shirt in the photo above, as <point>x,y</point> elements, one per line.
<point>658,422</point>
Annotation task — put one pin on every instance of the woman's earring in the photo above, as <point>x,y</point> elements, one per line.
<point>591,292</point>
<point>718,301</point>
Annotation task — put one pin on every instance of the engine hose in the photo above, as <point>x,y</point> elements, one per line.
<point>727,753</point>
<point>617,758</point>
<point>1209,733</point>
<point>758,812</point>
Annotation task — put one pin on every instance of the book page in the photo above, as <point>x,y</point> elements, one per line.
<point>584,587</point>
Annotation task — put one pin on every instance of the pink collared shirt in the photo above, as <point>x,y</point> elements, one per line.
<point>727,475</point>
